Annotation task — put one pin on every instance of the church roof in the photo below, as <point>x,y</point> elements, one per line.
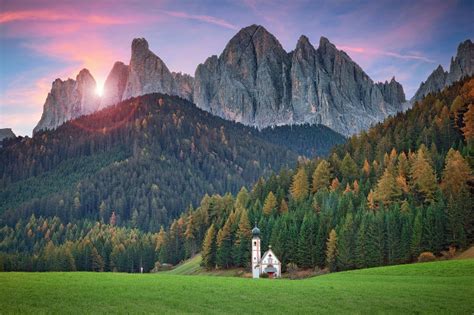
<point>256,231</point>
<point>268,252</point>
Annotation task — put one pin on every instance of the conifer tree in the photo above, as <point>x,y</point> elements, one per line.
<point>366,168</point>
<point>468,120</point>
<point>455,186</point>
<point>346,244</point>
<point>387,190</point>
<point>348,168</point>
<point>423,178</point>
<point>321,176</point>
<point>97,262</point>
<point>241,249</point>
<point>335,184</point>
<point>417,236</point>
<point>306,244</point>
<point>371,200</point>
<point>209,248</point>
<point>361,244</point>
<point>299,186</point>
<point>224,243</point>
<point>270,204</point>
<point>283,206</point>
<point>331,251</point>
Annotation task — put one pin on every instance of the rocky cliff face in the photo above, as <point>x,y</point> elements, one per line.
<point>115,85</point>
<point>183,85</point>
<point>392,92</point>
<point>69,99</point>
<point>254,81</point>
<point>461,66</point>
<point>6,133</point>
<point>147,72</point>
<point>249,82</point>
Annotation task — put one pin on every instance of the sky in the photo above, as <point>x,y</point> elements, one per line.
<point>44,40</point>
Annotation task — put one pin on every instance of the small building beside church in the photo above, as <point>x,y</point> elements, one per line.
<point>268,263</point>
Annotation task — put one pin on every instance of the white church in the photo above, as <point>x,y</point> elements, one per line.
<point>268,263</point>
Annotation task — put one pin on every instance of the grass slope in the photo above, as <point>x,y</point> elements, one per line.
<point>192,266</point>
<point>440,287</point>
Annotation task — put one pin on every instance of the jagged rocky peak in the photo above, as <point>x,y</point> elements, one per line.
<point>114,85</point>
<point>69,99</point>
<point>249,82</point>
<point>256,82</point>
<point>461,66</point>
<point>392,92</point>
<point>85,92</point>
<point>147,73</point>
<point>435,82</point>
<point>6,133</point>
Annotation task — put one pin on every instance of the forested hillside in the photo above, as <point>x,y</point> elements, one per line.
<point>402,188</point>
<point>146,160</point>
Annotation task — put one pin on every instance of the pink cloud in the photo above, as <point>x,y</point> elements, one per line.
<point>60,15</point>
<point>378,52</point>
<point>202,18</point>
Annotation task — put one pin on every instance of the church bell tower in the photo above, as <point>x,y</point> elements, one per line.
<point>256,254</point>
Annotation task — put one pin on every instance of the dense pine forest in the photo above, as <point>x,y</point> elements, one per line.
<point>386,196</point>
<point>145,160</point>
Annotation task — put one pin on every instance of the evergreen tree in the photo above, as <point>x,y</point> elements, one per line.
<point>241,250</point>
<point>299,186</point>
<point>423,178</point>
<point>346,244</point>
<point>270,204</point>
<point>387,190</point>
<point>209,248</point>
<point>331,251</point>
<point>321,176</point>
<point>349,168</point>
<point>306,244</point>
<point>455,186</point>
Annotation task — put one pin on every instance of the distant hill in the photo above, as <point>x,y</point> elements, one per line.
<point>146,159</point>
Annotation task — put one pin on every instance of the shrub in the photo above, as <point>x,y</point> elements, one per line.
<point>426,257</point>
<point>264,275</point>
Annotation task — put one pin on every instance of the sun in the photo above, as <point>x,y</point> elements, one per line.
<point>99,89</point>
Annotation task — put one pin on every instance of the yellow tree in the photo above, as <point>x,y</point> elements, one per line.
<point>331,251</point>
<point>270,203</point>
<point>423,178</point>
<point>468,119</point>
<point>371,200</point>
<point>366,168</point>
<point>283,206</point>
<point>356,186</point>
<point>335,184</point>
<point>456,175</point>
<point>299,186</point>
<point>387,190</point>
<point>321,176</point>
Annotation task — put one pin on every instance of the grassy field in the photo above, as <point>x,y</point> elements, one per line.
<point>440,287</point>
<point>193,267</point>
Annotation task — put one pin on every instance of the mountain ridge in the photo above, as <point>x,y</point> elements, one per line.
<point>256,82</point>
<point>233,91</point>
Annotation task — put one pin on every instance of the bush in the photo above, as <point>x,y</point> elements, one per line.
<point>426,257</point>
<point>264,275</point>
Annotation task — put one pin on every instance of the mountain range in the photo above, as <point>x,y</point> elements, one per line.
<point>254,81</point>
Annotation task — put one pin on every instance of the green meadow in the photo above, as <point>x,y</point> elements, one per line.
<point>439,287</point>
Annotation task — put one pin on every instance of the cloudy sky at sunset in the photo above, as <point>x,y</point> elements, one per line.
<point>44,40</point>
